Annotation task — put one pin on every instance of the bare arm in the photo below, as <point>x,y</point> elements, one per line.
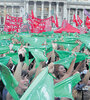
<point>49,55</point>
<point>18,70</point>
<point>38,70</point>
<point>71,68</point>
<point>53,56</point>
<point>68,73</point>
<point>86,78</point>
<point>79,66</point>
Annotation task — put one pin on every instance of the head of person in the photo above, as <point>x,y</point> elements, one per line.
<point>24,82</point>
<point>59,71</point>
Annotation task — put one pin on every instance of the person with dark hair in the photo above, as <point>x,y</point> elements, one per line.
<point>22,76</point>
<point>23,85</point>
<point>61,73</point>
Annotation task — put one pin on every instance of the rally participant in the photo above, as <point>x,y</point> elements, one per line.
<point>22,76</point>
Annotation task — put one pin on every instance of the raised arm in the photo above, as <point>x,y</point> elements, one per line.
<point>21,54</point>
<point>86,78</point>
<point>68,73</point>
<point>79,66</point>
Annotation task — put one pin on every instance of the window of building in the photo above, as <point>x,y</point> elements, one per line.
<point>53,8</point>
<point>1,10</point>
<point>39,9</point>
<point>60,11</point>
<point>72,12</point>
<point>16,11</point>
<point>46,9</point>
<point>9,10</point>
<point>1,15</point>
<point>31,6</point>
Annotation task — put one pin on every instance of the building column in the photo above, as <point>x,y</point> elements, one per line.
<point>24,7</point>
<point>12,11</point>
<point>34,8</point>
<point>83,18</point>
<point>49,9</point>
<point>5,11</point>
<point>76,13</point>
<point>21,11</point>
<point>57,8</point>
<point>27,7</point>
<point>0,20</point>
<point>69,16</point>
<point>65,11</point>
<point>42,10</point>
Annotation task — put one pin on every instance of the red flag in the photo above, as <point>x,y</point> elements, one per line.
<point>88,22</point>
<point>74,20</point>
<point>79,20</point>
<point>53,21</point>
<point>56,22</point>
<point>32,14</point>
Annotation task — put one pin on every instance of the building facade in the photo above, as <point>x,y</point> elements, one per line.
<point>44,9</point>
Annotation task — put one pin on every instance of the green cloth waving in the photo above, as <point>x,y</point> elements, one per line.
<point>34,41</point>
<point>66,45</point>
<point>16,47</point>
<point>4,49</point>
<point>6,36</point>
<point>70,39</point>
<point>42,88</point>
<point>8,80</point>
<point>14,57</point>
<point>5,42</point>
<point>65,61</point>
<point>79,56</point>
<point>86,40</point>
<point>4,60</point>
<point>38,55</point>
<point>49,33</point>
<point>64,88</point>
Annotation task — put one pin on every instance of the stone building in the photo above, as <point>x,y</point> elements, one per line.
<point>44,8</point>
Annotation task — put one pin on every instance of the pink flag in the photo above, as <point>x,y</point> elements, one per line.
<point>74,20</point>
<point>88,22</point>
<point>79,20</point>
<point>32,14</point>
<point>53,21</point>
<point>56,22</point>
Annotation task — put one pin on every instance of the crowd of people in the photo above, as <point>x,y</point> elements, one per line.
<point>25,73</point>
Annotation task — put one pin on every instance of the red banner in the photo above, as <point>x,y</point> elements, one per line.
<point>39,25</point>
<point>12,23</point>
<point>33,25</point>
